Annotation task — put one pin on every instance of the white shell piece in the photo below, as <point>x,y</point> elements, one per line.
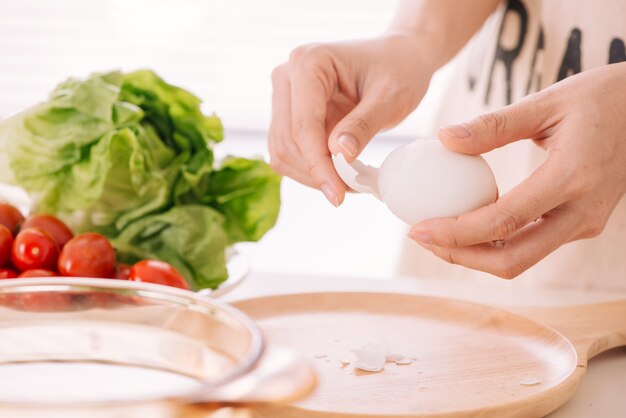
<point>358,176</point>
<point>370,358</point>
<point>391,357</point>
<point>530,381</point>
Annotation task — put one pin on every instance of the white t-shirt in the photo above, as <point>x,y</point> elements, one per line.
<point>525,47</point>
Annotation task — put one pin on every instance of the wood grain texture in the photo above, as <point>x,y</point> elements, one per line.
<point>592,328</point>
<point>470,358</point>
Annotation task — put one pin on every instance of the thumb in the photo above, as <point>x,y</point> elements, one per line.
<point>357,128</point>
<point>527,119</point>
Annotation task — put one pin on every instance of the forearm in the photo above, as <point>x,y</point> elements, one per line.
<point>446,25</point>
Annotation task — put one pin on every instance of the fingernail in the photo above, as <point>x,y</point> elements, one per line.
<point>423,237</point>
<point>330,194</point>
<point>348,145</point>
<point>457,131</point>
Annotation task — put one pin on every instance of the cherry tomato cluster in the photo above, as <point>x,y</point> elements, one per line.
<point>43,246</point>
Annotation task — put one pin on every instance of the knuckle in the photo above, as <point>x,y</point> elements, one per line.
<point>447,238</point>
<point>301,127</point>
<point>495,121</point>
<point>506,225</point>
<point>280,154</point>
<point>543,108</point>
<point>278,74</point>
<point>452,241</point>
<point>317,169</point>
<point>595,231</point>
<point>450,237</point>
<point>363,125</point>
<point>447,256</point>
<point>277,165</point>
<point>298,53</point>
<point>278,158</point>
<point>298,127</point>
<point>307,53</point>
<point>538,105</point>
<point>595,227</point>
<point>511,271</point>
<point>510,268</point>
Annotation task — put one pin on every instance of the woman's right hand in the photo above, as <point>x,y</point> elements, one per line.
<point>333,98</point>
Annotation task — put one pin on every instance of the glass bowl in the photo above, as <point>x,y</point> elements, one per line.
<point>76,347</point>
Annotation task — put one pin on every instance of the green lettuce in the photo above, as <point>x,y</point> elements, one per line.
<point>190,237</point>
<point>131,156</point>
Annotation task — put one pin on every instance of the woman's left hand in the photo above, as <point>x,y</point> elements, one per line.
<point>581,123</point>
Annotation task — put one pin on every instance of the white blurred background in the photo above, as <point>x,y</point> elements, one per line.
<point>224,52</point>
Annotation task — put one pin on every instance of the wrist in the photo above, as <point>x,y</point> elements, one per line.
<point>441,27</point>
<point>420,45</point>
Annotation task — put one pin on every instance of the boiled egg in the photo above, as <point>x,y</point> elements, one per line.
<point>423,180</point>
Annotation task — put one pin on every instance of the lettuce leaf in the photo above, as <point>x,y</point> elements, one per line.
<point>237,189</point>
<point>131,156</point>
<point>189,237</point>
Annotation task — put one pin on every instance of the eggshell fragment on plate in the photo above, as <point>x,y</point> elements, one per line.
<point>373,357</point>
<point>370,358</point>
<point>392,357</point>
<point>529,381</point>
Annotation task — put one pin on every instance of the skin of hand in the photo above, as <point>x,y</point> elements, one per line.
<point>333,98</point>
<point>581,123</point>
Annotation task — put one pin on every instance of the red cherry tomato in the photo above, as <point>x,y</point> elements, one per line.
<point>46,302</point>
<point>37,273</point>
<point>87,255</point>
<point>10,216</point>
<point>122,272</point>
<point>10,300</point>
<point>59,232</point>
<point>155,271</point>
<point>104,300</point>
<point>7,274</point>
<point>34,249</point>
<point>6,244</point>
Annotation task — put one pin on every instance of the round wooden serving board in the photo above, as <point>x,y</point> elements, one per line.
<point>470,360</point>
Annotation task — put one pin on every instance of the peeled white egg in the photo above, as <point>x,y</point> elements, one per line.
<point>424,180</point>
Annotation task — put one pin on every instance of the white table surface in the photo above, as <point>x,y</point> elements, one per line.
<point>602,393</point>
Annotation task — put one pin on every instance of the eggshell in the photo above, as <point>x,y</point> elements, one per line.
<point>424,180</point>
<point>530,381</point>
<point>358,176</point>
<point>370,358</point>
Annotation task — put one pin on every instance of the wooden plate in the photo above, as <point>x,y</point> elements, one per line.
<point>470,359</point>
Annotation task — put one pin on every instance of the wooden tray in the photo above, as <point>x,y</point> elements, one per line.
<point>471,360</point>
